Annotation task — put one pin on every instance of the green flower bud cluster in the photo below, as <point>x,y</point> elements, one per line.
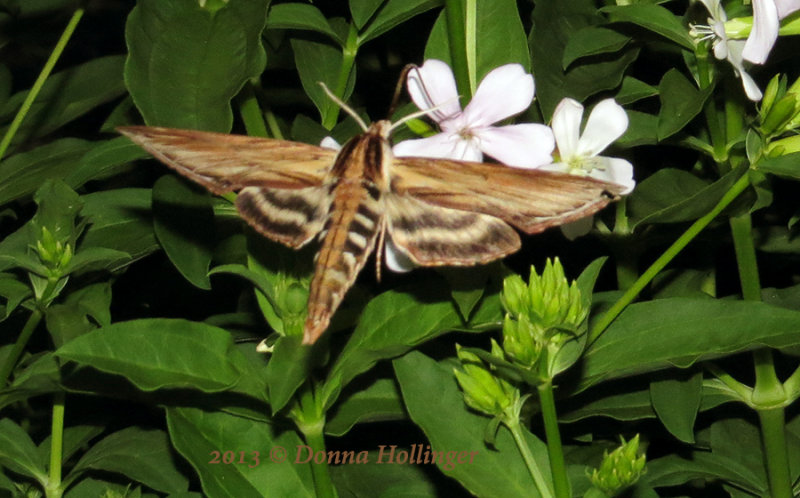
<point>780,111</point>
<point>543,314</point>
<point>619,469</point>
<point>483,390</point>
<point>54,254</point>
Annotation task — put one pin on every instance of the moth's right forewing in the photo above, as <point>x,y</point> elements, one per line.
<point>222,162</point>
<point>531,200</point>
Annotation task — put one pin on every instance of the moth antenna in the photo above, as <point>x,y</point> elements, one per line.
<point>423,112</point>
<point>346,108</point>
<point>399,88</point>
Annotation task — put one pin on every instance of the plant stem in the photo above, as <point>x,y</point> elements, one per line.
<point>251,112</point>
<point>705,72</point>
<point>471,42</point>
<point>37,85</point>
<point>666,257</point>
<point>558,468</point>
<point>19,346</point>
<point>54,489</point>
<point>741,229</point>
<point>527,456</point>
<point>322,477</point>
<point>455,15</point>
<point>773,424</point>
<point>349,52</point>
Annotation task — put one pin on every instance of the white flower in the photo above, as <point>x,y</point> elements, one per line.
<point>468,134</point>
<point>579,152</point>
<point>767,15</point>
<point>725,48</point>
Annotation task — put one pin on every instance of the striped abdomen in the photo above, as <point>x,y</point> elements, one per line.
<point>348,238</point>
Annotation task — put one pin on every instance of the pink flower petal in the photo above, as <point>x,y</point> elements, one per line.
<point>786,7</point>
<point>396,260</point>
<point>764,33</point>
<point>606,123</point>
<point>566,124</point>
<point>504,92</point>
<point>442,145</point>
<point>522,145</point>
<point>615,170</point>
<point>434,85</point>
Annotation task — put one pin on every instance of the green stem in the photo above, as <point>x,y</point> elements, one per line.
<point>666,257</point>
<point>322,477</point>
<point>455,15</point>
<point>742,230</point>
<point>349,52</point>
<point>272,122</point>
<point>705,71</point>
<point>555,450</point>
<point>37,85</point>
<point>527,456</point>
<point>251,112</point>
<point>19,346</point>
<point>54,488</point>
<point>773,423</point>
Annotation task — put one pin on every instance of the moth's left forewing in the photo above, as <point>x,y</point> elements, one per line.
<point>531,200</point>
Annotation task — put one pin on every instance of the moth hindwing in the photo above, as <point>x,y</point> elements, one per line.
<point>434,211</point>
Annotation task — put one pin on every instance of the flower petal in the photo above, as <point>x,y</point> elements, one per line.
<point>396,259</point>
<point>330,143</point>
<point>525,145</point>
<point>606,123</point>
<point>434,85</point>
<point>735,58</point>
<point>578,228</point>
<point>504,92</point>
<point>615,170</point>
<point>764,33</point>
<point>566,124</point>
<point>786,7</point>
<point>443,145</point>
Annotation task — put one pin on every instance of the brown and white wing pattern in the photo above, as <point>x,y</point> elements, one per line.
<point>222,162</point>
<point>291,217</point>
<point>432,235</point>
<point>530,200</point>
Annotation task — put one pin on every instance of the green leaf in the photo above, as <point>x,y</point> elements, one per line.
<point>554,23</point>
<point>141,455</point>
<point>681,101</point>
<point>392,13</point>
<point>363,10</point>
<point>642,130</point>
<point>289,366</point>
<point>104,159</point>
<point>201,436</point>
<point>592,40</point>
<point>655,18</point>
<point>379,401</point>
<point>499,34</point>
<point>76,438</point>
<point>436,405</point>
<point>676,401</point>
<point>82,311</point>
<point>37,375</point>
<point>185,64</point>
<point>787,166</point>
<point>14,292</point>
<point>21,174</point>
<point>66,95</point>
<point>625,406</point>
<point>120,219</point>
<point>316,62</point>
<point>300,16</point>
<point>183,220</point>
<point>386,481</point>
<point>633,90</point>
<point>95,259</point>
<point>395,321</point>
<point>672,332</point>
<point>18,453</point>
<point>160,353</point>
<point>673,196</point>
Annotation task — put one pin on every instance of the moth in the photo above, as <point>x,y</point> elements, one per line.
<point>436,212</point>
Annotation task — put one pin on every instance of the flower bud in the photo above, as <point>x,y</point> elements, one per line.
<point>483,391</point>
<point>619,469</point>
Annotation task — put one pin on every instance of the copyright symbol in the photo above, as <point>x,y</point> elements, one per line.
<point>277,454</point>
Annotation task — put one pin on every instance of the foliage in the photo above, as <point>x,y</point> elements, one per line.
<point>131,301</point>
